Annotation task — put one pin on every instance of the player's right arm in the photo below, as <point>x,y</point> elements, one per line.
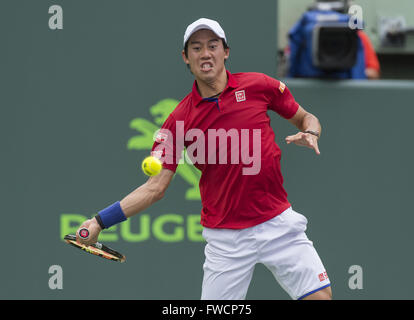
<point>138,200</point>
<point>147,194</point>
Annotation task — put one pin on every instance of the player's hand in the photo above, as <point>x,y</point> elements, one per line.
<point>305,140</point>
<point>94,229</point>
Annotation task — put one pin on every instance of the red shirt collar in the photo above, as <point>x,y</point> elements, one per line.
<point>231,83</point>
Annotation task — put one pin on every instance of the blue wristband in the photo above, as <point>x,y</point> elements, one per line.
<point>112,215</point>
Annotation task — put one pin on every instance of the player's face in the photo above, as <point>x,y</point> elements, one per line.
<point>206,55</point>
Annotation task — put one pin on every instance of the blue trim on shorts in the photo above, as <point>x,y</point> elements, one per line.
<point>309,293</point>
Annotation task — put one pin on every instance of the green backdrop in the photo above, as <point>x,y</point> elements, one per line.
<point>79,105</point>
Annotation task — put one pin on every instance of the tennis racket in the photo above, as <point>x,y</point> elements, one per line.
<point>97,248</point>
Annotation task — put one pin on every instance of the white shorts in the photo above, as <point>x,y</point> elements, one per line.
<point>280,244</point>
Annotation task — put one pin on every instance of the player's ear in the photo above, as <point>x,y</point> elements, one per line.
<point>226,53</point>
<point>185,59</point>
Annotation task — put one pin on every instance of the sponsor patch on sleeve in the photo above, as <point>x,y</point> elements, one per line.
<point>282,87</point>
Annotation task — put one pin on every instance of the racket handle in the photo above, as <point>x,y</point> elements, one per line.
<point>84,233</point>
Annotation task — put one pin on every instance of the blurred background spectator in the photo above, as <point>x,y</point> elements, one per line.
<point>372,66</point>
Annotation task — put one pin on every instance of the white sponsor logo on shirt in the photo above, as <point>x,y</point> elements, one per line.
<point>240,96</point>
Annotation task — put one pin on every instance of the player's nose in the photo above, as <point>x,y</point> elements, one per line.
<point>205,53</point>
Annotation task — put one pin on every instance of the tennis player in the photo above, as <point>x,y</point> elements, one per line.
<point>247,217</point>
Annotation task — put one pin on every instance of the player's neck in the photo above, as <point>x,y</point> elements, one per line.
<point>214,87</point>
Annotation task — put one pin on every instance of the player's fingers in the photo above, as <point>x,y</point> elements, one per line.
<point>288,139</point>
<point>85,242</point>
<point>317,149</point>
<point>294,137</point>
<point>312,143</point>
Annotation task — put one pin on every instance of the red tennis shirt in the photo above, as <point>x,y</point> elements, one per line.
<point>230,140</point>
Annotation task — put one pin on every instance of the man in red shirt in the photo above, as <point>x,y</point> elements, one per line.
<point>247,218</point>
<point>372,66</point>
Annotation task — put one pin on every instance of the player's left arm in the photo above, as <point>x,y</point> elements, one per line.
<point>310,130</point>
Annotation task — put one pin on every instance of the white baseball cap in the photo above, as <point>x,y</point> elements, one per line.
<point>204,23</point>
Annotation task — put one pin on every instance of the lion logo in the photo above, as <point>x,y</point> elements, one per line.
<point>144,141</point>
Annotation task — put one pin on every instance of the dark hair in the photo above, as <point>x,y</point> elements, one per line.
<point>225,46</point>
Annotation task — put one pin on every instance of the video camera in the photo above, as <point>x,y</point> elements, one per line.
<point>322,45</point>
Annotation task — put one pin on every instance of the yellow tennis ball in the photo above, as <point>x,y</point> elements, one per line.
<point>151,166</point>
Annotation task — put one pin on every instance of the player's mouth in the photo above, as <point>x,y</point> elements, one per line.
<point>206,66</point>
